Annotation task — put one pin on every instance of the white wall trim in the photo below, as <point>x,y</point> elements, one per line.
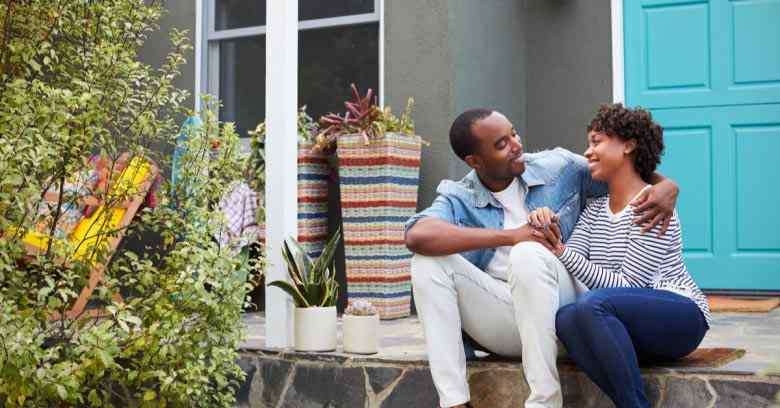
<point>237,33</point>
<point>618,53</point>
<point>380,6</point>
<point>198,53</point>
<point>340,21</point>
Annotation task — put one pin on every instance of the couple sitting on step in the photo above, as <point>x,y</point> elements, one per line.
<point>529,248</point>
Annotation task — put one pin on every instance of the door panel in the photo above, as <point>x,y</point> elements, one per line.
<point>702,53</point>
<point>693,170</point>
<point>709,70</point>
<point>677,33</point>
<point>757,171</point>
<point>726,160</point>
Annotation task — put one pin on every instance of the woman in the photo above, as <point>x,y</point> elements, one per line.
<point>643,304</point>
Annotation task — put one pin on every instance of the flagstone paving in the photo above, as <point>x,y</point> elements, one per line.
<point>398,375</point>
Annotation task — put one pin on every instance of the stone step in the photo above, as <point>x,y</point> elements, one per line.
<point>286,379</point>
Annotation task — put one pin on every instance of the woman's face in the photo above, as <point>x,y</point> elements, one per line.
<point>606,155</point>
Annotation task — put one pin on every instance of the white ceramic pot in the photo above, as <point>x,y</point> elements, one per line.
<point>315,328</point>
<point>361,334</point>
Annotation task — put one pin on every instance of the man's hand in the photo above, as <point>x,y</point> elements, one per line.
<point>655,205</point>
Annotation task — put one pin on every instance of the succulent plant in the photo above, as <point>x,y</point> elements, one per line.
<point>363,116</point>
<point>361,308</point>
<point>307,127</point>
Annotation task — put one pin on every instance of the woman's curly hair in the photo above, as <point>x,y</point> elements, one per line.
<point>615,120</point>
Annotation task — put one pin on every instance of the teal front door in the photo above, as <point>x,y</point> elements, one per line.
<point>710,73</point>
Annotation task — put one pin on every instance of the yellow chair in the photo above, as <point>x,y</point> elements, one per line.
<point>102,231</point>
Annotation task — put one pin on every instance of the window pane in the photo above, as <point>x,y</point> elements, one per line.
<point>332,58</point>
<point>242,82</point>
<point>313,9</point>
<point>329,60</point>
<point>229,14</point>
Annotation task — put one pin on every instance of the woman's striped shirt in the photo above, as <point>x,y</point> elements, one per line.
<point>607,250</point>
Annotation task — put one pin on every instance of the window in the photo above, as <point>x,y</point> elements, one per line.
<point>338,44</point>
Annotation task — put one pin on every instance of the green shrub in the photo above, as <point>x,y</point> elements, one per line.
<point>71,86</point>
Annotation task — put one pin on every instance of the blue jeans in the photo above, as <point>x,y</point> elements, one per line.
<point>608,331</point>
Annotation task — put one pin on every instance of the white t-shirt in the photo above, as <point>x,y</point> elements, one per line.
<point>515,216</point>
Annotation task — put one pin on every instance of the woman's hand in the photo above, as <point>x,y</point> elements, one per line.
<point>542,217</point>
<point>547,229</point>
<point>655,205</point>
<point>551,236</point>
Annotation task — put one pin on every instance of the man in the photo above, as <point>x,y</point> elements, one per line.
<point>481,268</point>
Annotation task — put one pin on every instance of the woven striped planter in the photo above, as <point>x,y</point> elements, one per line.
<point>313,171</point>
<point>378,184</point>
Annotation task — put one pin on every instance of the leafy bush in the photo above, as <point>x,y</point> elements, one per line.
<point>71,87</point>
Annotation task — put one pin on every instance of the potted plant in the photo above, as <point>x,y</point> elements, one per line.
<point>313,173</point>
<point>379,167</point>
<point>315,291</point>
<point>360,328</point>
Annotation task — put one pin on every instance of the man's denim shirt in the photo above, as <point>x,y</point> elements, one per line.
<point>558,179</point>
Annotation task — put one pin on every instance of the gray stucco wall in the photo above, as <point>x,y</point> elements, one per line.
<point>569,69</point>
<point>180,15</point>
<point>451,56</point>
<point>546,64</point>
<point>488,47</point>
<point>418,64</point>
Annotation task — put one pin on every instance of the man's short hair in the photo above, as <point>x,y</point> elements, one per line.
<point>462,138</point>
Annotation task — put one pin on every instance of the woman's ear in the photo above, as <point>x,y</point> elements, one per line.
<point>629,147</point>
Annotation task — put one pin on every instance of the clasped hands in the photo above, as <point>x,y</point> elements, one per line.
<point>654,207</point>
<point>543,227</point>
<point>546,229</point>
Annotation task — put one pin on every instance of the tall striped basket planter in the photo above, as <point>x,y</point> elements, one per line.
<point>378,183</point>
<point>313,172</point>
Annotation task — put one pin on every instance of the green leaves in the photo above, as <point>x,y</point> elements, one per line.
<point>313,283</point>
<point>149,395</point>
<point>71,87</point>
<point>298,297</point>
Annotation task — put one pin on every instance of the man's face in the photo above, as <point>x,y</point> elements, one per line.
<point>499,153</point>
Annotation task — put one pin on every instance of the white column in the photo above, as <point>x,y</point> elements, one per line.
<point>281,101</point>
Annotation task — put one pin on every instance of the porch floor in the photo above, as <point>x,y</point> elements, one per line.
<point>398,374</point>
<point>402,340</point>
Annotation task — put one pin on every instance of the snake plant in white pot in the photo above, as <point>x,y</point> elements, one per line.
<point>314,290</point>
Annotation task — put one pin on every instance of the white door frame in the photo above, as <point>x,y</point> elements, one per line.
<point>618,53</point>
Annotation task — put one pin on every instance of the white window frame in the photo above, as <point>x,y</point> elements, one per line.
<point>207,43</point>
